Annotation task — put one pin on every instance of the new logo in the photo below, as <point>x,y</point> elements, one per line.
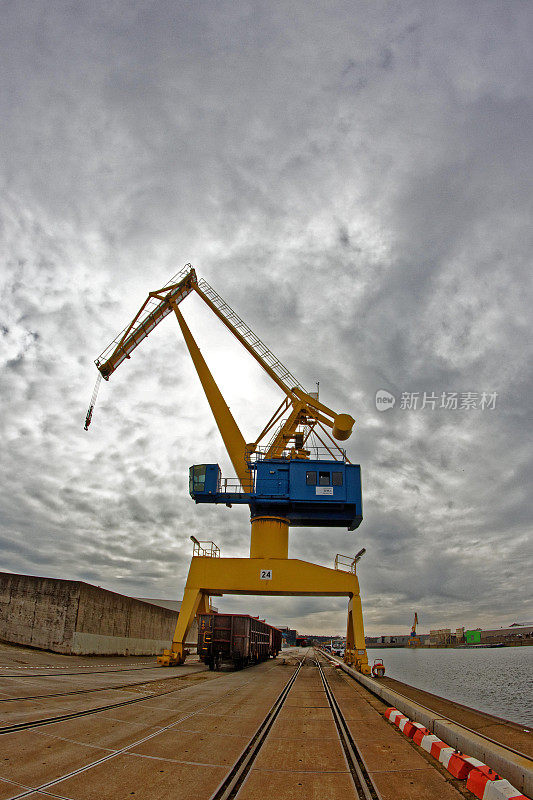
<point>384,400</point>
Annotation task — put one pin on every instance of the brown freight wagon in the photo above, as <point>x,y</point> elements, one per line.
<point>237,638</point>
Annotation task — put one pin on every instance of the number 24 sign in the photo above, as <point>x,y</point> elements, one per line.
<point>265,574</point>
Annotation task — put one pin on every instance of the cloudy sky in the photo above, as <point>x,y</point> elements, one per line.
<point>354,178</point>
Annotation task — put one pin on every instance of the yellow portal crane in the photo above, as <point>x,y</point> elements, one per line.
<point>279,480</point>
<point>414,640</point>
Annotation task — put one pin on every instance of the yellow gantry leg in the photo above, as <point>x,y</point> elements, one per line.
<point>355,653</point>
<point>194,602</point>
<point>268,576</point>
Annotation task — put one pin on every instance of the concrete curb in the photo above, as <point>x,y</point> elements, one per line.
<point>517,769</point>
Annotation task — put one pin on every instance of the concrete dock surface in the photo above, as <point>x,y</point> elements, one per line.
<point>149,732</point>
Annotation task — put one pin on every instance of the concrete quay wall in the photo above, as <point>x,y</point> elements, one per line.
<point>38,612</point>
<point>75,617</point>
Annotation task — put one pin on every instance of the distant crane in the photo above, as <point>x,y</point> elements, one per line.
<point>284,478</point>
<point>414,640</point>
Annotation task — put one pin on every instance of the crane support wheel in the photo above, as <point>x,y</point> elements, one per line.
<point>171,658</point>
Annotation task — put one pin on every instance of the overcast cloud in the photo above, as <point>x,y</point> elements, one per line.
<point>354,178</point>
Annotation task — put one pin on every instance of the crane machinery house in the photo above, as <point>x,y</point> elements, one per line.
<point>309,493</point>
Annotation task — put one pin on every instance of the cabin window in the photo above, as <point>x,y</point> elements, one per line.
<point>323,478</point>
<point>199,476</point>
<point>336,478</point>
<point>310,478</point>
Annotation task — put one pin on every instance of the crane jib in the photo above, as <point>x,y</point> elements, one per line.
<point>152,312</point>
<point>291,436</point>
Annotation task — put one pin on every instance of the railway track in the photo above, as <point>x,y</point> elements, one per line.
<point>363,784</point>
<point>36,723</point>
<point>233,781</point>
<point>441,716</point>
<point>98,688</point>
<point>45,786</point>
<point>227,741</point>
<point>58,674</point>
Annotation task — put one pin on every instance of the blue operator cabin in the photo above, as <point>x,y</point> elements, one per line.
<point>317,493</point>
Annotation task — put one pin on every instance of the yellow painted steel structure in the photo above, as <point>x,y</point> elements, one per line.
<point>414,640</point>
<point>268,570</point>
<point>287,577</point>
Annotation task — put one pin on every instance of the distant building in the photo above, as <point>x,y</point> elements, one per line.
<point>515,634</point>
<point>397,640</point>
<point>322,639</point>
<point>440,637</point>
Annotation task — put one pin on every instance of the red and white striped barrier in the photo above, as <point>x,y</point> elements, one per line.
<point>488,785</point>
<point>439,749</point>
<point>459,765</point>
<point>481,780</point>
<point>407,727</point>
<point>393,715</point>
<point>420,733</point>
<point>413,729</point>
<point>430,744</point>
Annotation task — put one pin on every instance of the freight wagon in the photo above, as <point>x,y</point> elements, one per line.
<point>236,638</point>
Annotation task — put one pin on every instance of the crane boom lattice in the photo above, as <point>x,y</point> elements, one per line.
<point>156,307</point>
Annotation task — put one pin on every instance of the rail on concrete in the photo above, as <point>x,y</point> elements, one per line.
<point>515,766</point>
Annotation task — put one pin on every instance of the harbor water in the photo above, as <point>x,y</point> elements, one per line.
<point>498,681</point>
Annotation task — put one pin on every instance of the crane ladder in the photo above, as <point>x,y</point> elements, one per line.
<point>259,347</point>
